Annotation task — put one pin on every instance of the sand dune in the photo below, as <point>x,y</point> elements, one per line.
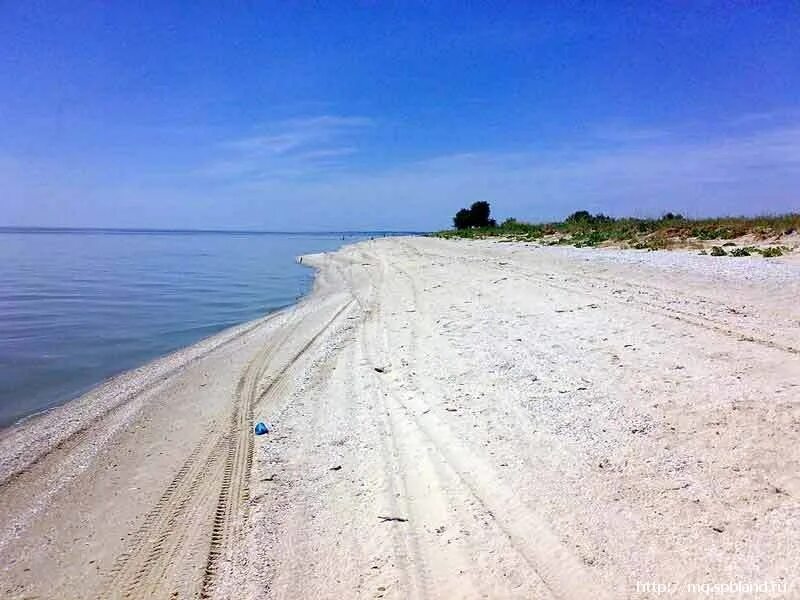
<point>450,419</point>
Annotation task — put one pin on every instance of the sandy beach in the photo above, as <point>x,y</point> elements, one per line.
<point>449,419</point>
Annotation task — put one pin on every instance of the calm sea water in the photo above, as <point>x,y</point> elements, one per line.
<point>77,307</point>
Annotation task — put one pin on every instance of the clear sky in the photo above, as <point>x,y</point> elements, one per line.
<point>380,115</point>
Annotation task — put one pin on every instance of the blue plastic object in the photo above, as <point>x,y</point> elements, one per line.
<point>261,429</point>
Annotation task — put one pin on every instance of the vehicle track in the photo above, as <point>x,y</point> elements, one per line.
<point>75,438</point>
<point>405,546</point>
<point>136,572</point>
<point>659,309</point>
<point>647,306</point>
<point>555,565</point>
<point>231,514</point>
<point>165,530</point>
<point>175,527</point>
<point>273,562</point>
<point>234,490</point>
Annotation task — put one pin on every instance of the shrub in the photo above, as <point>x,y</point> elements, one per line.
<point>580,216</point>
<point>586,229</point>
<point>717,251</point>
<point>771,252</point>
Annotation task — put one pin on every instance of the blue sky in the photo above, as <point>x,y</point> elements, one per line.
<point>378,115</point>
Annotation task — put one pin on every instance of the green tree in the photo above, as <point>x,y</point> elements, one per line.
<point>481,212</point>
<point>477,215</point>
<point>463,219</point>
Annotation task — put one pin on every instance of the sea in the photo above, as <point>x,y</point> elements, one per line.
<point>78,306</point>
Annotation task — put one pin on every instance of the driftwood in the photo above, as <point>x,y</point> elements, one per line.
<point>389,519</point>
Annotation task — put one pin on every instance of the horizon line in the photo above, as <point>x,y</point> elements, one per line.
<point>47,229</point>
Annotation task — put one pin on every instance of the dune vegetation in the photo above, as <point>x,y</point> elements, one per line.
<point>671,230</point>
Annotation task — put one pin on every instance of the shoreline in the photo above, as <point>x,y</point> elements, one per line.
<point>94,388</point>
<point>82,410</point>
<point>185,397</point>
<point>87,407</point>
<point>448,419</point>
<point>65,335</point>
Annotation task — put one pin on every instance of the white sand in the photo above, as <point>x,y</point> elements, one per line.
<point>548,423</point>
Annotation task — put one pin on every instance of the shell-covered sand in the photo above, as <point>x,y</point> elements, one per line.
<point>450,419</point>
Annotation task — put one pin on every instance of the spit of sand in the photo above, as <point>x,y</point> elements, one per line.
<point>450,419</point>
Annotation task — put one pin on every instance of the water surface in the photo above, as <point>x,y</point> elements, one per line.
<point>78,306</point>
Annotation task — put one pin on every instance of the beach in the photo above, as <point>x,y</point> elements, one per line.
<point>448,419</point>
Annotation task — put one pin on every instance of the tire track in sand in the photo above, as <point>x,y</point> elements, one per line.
<point>231,514</point>
<point>426,489</point>
<point>177,523</point>
<point>174,534</point>
<point>661,309</point>
<point>74,439</point>
<point>563,574</point>
<point>416,577</point>
<point>652,304</point>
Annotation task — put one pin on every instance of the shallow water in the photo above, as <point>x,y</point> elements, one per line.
<point>77,307</point>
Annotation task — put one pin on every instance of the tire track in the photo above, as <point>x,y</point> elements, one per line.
<point>279,541</point>
<point>68,452</point>
<point>405,546</point>
<point>654,308</point>
<point>150,540</point>
<point>235,481</point>
<point>554,564</point>
<point>177,522</point>
<point>650,307</point>
<point>231,514</point>
<point>73,439</point>
<point>406,432</point>
<point>653,293</point>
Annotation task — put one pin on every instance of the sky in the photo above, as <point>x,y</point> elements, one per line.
<point>310,116</point>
